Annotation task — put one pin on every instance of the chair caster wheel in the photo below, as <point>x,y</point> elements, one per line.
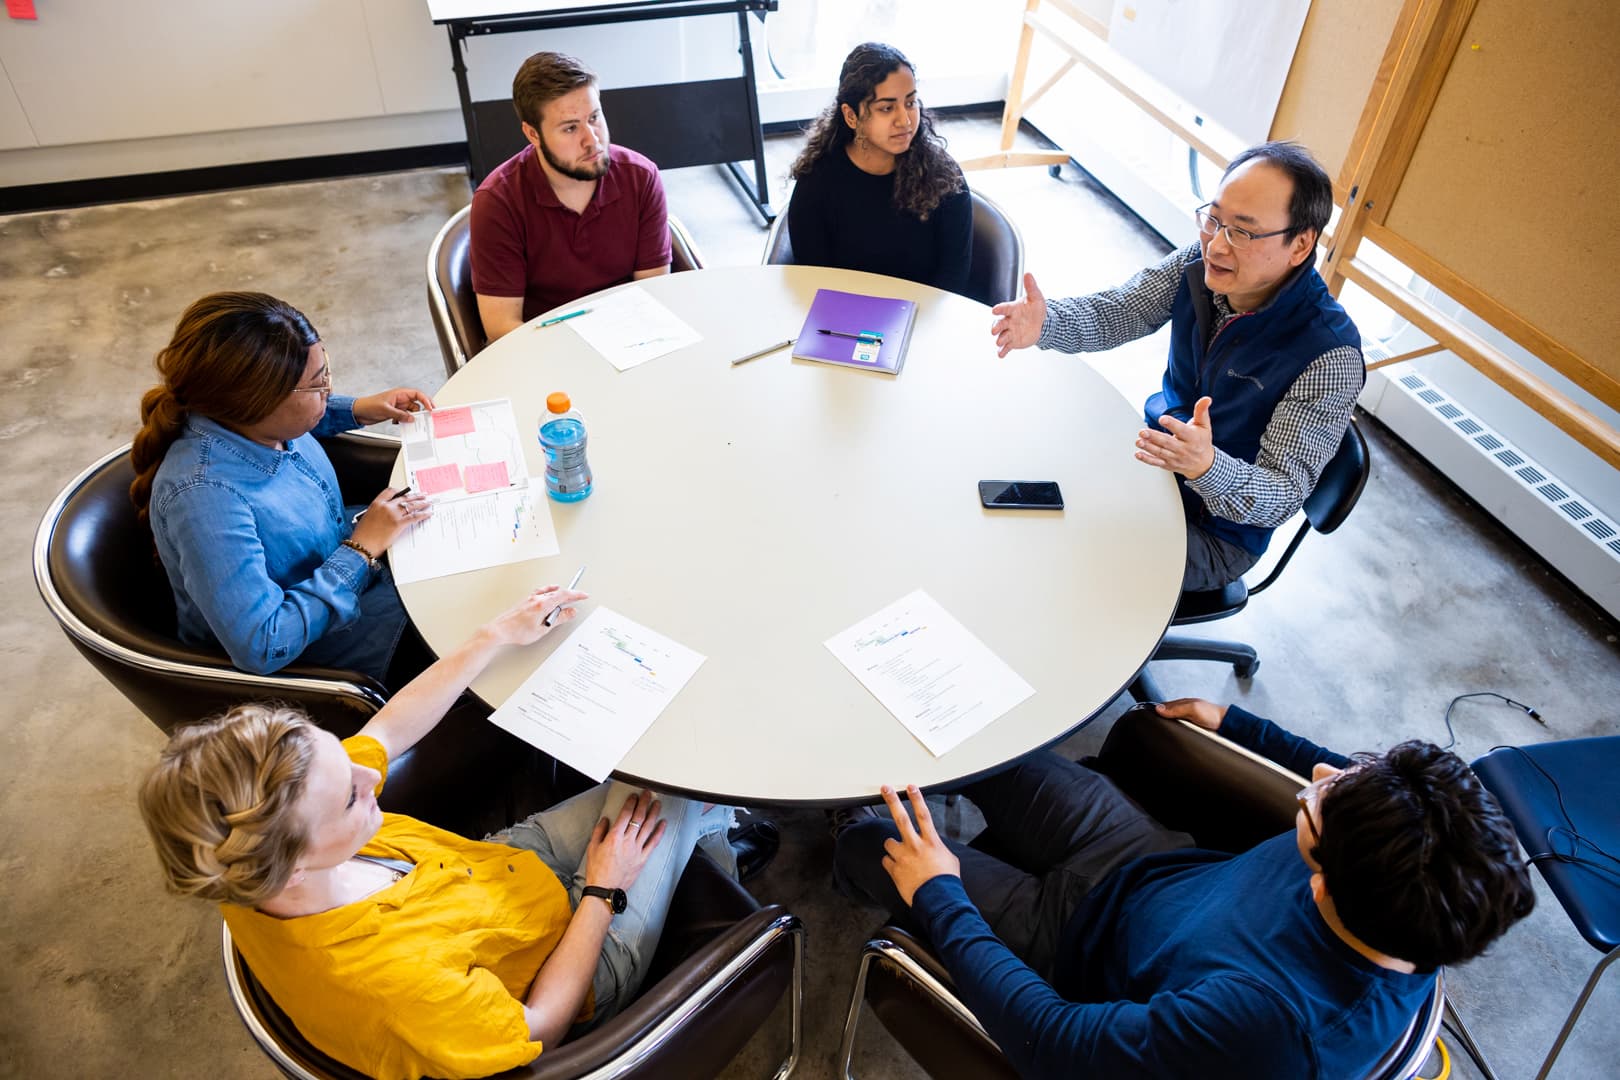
<point>1246,671</point>
<point>1054,171</point>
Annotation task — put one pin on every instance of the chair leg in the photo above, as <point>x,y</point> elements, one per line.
<point>1245,662</point>
<point>1145,687</point>
<point>795,1008</point>
<point>1575,1013</point>
<point>1453,1022</point>
<point>846,1049</point>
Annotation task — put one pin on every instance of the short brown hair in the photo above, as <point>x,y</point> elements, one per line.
<point>543,78</point>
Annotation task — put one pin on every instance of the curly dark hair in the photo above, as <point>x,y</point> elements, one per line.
<point>925,174</point>
<point>1419,859</point>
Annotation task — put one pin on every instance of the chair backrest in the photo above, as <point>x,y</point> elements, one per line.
<point>997,269</point>
<point>1339,487</point>
<point>96,570</point>
<point>454,305</point>
<point>1177,771</point>
<point>722,964</point>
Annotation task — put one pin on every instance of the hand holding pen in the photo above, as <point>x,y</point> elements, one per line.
<point>567,600</point>
<point>386,519</point>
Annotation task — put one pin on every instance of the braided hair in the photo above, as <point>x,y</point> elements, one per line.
<point>234,357</point>
<point>925,175</point>
<point>220,803</point>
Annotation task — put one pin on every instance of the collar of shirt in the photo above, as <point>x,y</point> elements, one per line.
<point>609,186</point>
<point>259,456</point>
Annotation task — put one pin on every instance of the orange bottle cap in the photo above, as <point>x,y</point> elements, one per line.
<point>558,402</point>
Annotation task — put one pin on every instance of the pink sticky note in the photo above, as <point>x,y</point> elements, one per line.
<point>438,478</point>
<point>485,477</point>
<point>448,422</point>
<point>21,9</point>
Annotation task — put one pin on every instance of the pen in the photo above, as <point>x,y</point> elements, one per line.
<point>571,585</point>
<point>756,355</point>
<point>400,494</point>
<point>864,335</point>
<point>560,318</point>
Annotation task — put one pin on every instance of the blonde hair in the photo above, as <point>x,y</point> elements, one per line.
<point>220,802</point>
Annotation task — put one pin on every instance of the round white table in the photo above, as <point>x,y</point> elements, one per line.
<point>752,512</point>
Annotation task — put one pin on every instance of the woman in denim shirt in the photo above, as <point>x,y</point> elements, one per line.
<point>244,505</point>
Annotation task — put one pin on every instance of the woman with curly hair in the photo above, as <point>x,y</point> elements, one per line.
<point>876,189</point>
<point>244,507</point>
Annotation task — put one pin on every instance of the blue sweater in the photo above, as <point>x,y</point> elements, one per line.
<point>1186,963</point>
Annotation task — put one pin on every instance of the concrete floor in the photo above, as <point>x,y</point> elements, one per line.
<point>1418,598</point>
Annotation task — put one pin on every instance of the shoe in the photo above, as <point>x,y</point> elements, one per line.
<point>755,845</point>
<point>843,817</point>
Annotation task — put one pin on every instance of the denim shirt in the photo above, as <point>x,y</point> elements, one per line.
<point>251,539</point>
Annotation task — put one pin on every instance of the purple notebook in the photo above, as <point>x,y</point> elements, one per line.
<point>870,332</point>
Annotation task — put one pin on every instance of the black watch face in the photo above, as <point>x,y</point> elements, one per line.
<point>619,901</point>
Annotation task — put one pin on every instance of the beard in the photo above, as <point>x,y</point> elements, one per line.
<point>576,172</point>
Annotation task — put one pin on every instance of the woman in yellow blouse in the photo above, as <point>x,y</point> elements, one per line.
<point>398,948</point>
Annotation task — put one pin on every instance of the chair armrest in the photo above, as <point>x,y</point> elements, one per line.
<point>1193,780</point>
<point>363,460</point>
<point>696,1019</point>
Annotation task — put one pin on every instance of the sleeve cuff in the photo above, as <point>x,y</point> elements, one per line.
<point>1048,338</point>
<point>339,414</point>
<point>938,896</point>
<point>1241,726</point>
<point>1221,477</point>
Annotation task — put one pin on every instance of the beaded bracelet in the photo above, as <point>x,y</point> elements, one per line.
<point>371,560</point>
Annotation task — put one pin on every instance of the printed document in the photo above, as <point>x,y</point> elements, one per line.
<point>922,665</point>
<point>629,327</point>
<point>469,461</point>
<point>599,692</point>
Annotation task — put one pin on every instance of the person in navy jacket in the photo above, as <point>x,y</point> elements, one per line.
<point>1264,366</point>
<point>1099,943</point>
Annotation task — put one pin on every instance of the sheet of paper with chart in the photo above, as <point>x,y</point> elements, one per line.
<point>599,692</point>
<point>469,461</point>
<point>938,680</point>
<point>629,327</point>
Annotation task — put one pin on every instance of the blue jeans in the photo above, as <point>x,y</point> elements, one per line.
<point>560,836</point>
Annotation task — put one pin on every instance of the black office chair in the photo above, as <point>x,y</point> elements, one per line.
<point>722,965</point>
<point>1563,799</point>
<point>1335,495</point>
<point>997,270</point>
<point>454,306</point>
<point>1189,779</point>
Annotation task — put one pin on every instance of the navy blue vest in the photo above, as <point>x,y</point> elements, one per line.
<point>1245,371</point>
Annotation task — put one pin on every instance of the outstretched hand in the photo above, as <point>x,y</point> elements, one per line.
<point>392,404</point>
<point>1020,321</point>
<point>526,622</point>
<point>919,855</point>
<point>1185,447</point>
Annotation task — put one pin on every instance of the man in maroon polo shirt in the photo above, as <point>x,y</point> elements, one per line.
<point>568,214</point>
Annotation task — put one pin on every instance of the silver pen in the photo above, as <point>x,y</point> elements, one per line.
<point>572,585</point>
<point>763,352</point>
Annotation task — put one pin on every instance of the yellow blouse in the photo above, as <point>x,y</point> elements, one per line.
<point>425,976</point>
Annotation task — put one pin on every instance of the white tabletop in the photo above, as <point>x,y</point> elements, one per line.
<point>752,512</point>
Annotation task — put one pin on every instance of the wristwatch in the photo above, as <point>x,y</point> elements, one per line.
<point>615,897</point>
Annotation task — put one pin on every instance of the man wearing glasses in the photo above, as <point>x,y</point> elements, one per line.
<point>1264,363</point>
<point>1100,944</point>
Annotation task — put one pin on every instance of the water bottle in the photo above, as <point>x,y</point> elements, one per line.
<point>562,437</point>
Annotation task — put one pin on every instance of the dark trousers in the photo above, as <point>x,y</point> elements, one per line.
<point>1054,829</point>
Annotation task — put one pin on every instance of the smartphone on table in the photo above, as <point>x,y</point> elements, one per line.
<point>1020,495</point>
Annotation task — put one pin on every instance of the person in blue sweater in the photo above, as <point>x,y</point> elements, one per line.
<point>1264,364</point>
<point>1102,944</point>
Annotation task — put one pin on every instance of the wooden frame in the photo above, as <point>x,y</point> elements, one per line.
<point>1417,59</point>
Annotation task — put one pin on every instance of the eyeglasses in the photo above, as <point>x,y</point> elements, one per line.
<point>1209,225</point>
<point>324,386</point>
<point>1308,797</point>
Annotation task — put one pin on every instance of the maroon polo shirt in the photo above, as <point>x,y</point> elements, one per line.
<point>527,243</point>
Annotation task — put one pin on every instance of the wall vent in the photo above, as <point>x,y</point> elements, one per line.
<point>1534,477</point>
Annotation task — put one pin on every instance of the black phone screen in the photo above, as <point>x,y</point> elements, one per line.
<point>1020,495</point>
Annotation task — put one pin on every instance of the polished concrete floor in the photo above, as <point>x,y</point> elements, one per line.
<point>1418,598</point>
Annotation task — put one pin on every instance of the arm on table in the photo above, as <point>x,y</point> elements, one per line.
<point>418,707</point>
